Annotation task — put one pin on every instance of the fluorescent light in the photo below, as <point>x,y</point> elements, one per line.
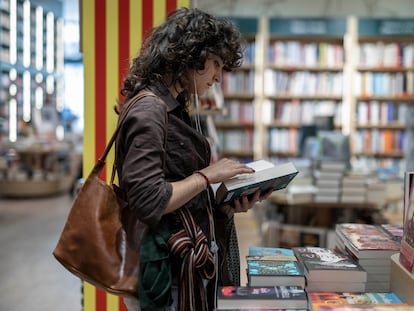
<point>50,84</point>
<point>39,97</point>
<point>39,38</point>
<point>12,120</point>
<point>59,46</point>
<point>13,32</point>
<point>13,74</point>
<point>27,107</point>
<point>26,33</point>
<point>50,42</point>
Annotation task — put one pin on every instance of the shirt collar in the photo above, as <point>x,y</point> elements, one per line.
<point>161,90</point>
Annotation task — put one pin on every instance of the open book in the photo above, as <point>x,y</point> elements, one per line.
<point>266,176</point>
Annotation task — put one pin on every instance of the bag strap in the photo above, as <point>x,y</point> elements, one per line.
<point>122,117</point>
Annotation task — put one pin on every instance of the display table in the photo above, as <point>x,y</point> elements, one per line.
<point>39,171</point>
<point>320,213</point>
<point>402,281</point>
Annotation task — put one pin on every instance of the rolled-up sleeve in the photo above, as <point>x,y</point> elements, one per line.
<point>140,160</point>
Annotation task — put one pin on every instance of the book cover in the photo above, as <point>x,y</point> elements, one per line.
<point>266,176</point>
<point>271,272</point>
<point>271,252</point>
<point>395,231</point>
<point>366,240</point>
<point>319,299</point>
<point>281,297</point>
<point>407,240</point>
<point>329,265</point>
<point>371,307</point>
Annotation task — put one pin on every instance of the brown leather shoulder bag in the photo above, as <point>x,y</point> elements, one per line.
<point>100,240</point>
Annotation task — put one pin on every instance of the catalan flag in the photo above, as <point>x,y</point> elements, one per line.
<point>111,34</point>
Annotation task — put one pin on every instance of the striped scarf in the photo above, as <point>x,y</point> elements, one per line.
<point>191,245</point>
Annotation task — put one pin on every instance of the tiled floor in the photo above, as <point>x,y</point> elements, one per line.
<point>30,277</point>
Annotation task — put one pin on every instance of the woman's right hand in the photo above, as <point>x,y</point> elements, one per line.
<point>225,169</point>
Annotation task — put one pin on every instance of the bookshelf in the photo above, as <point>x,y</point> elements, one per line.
<point>307,67</point>
<point>236,127</point>
<point>303,78</point>
<point>383,89</point>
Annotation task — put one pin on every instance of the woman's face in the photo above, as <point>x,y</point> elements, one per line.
<point>212,73</point>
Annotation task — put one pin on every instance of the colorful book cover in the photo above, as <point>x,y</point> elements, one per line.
<point>370,307</point>
<point>268,272</point>
<point>343,298</point>
<point>273,267</point>
<point>366,240</point>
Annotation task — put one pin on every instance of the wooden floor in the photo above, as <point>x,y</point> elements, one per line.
<point>30,277</point>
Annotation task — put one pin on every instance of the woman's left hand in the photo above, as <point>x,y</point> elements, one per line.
<point>243,204</point>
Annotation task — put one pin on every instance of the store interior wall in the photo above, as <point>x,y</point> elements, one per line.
<point>73,98</point>
<point>309,8</point>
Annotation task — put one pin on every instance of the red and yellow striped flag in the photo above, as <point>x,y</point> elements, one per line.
<point>112,32</point>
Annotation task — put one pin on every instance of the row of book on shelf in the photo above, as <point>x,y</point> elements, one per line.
<point>356,272</point>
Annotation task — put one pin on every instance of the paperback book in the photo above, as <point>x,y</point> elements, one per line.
<point>370,307</point>
<point>366,240</point>
<point>329,265</point>
<point>268,271</point>
<point>318,299</point>
<point>266,177</point>
<point>280,297</point>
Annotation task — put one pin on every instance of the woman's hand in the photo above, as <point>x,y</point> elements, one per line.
<point>243,204</point>
<point>225,169</point>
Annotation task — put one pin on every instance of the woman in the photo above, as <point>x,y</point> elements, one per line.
<point>164,164</point>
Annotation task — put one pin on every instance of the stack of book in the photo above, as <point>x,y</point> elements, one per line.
<point>340,301</point>
<point>330,270</point>
<point>271,266</point>
<point>328,178</point>
<point>354,188</point>
<point>372,248</point>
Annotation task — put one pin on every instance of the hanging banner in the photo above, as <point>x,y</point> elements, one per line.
<point>111,34</point>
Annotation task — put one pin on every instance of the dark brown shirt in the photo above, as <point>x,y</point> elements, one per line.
<point>141,151</point>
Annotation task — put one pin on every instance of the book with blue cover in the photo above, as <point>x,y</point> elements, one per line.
<point>266,271</point>
<point>273,252</point>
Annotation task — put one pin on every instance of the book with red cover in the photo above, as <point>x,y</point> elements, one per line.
<point>366,240</point>
<point>280,297</point>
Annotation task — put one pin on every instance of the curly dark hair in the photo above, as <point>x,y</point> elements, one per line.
<point>180,44</point>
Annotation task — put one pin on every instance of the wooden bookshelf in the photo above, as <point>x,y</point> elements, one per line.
<point>333,52</point>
